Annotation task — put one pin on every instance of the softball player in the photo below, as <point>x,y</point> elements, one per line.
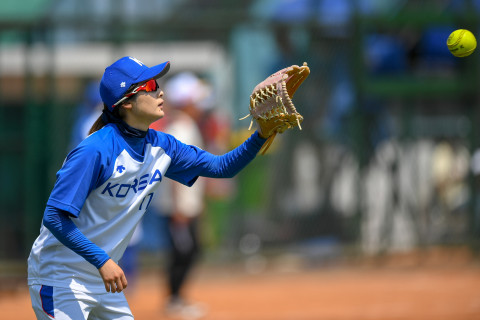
<point>102,191</point>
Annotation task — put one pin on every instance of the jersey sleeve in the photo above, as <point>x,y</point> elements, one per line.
<point>80,173</point>
<point>63,228</point>
<point>189,162</point>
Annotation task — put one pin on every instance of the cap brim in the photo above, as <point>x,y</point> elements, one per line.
<point>154,72</point>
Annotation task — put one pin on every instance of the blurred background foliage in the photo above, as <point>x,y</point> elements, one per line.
<point>386,158</point>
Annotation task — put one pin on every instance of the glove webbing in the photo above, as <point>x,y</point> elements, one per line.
<point>263,94</point>
<point>267,144</point>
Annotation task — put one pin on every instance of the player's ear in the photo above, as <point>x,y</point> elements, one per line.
<point>122,109</point>
<point>127,106</point>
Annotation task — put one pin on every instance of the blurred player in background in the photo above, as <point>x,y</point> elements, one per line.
<point>86,113</point>
<point>103,190</point>
<point>182,206</point>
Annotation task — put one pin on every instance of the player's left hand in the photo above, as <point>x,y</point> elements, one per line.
<point>113,277</point>
<point>271,104</point>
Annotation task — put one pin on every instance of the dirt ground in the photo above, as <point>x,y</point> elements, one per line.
<point>401,289</point>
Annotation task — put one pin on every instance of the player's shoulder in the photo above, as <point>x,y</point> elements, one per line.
<point>159,138</point>
<point>164,140</point>
<point>105,134</point>
<point>101,141</point>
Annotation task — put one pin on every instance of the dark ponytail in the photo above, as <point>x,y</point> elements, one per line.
<point>108,116</point>
<point>99,123</point>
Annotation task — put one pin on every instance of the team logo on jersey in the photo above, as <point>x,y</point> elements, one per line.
<point>120,190</point>
<point>120,168</point>
<point>123,84</point>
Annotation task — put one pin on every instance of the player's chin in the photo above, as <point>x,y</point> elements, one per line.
<point>159,114</point>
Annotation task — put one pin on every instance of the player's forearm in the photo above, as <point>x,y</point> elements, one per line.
<point>231,163</point>
<point>63,228</point>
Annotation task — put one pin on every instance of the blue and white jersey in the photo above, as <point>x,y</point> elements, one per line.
<point>107,198</point>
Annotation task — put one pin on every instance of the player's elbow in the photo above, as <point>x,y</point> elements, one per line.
<point>226,171</point>
<point>47,222</point>
<point>49,217</point>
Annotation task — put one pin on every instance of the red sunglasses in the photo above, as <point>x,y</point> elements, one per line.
<point>149,86</point>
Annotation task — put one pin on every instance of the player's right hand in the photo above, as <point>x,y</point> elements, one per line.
<point>113,277</point>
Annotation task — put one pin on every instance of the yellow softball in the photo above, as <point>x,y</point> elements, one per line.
<point>461,43</point>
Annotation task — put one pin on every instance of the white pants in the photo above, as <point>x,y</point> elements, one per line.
<point>65,304</point>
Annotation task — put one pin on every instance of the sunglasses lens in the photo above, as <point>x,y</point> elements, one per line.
<point>151,85</point>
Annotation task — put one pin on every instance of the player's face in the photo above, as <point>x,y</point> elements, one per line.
<point>146,109</point>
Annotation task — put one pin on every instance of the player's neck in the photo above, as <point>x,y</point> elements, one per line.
<point>131,131</point>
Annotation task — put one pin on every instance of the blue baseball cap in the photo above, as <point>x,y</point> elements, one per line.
<point>125,72</point>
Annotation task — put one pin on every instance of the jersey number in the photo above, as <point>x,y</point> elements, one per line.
<point>149,196</point>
